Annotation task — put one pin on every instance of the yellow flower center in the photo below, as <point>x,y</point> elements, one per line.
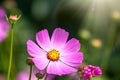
<point>53,55</point>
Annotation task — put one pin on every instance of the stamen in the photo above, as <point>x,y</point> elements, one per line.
<point>53,55</point>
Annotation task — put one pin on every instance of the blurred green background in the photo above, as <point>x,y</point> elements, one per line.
<point>96,23</point>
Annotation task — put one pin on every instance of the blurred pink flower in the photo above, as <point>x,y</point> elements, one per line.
<point>56,55</point>
<point>4,26</point>
<point>91,71</point>
<point>24,75</point>
<point>2,77</point>
<point>2,13</point>
<point>75,76</point>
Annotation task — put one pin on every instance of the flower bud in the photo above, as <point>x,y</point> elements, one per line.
<point>90,71</point>
<point>39,75</point>
<point>13,19</point>
<point>29,61</point>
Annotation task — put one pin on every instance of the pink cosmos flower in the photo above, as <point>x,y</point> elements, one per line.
<point>91,71</point>
<point>24,75</point>
<point>56,55</point>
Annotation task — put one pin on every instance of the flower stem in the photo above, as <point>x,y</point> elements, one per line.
<point>46,76</point>
<point>111,42</point>
<point>11,53</point>
<point>30,72</point>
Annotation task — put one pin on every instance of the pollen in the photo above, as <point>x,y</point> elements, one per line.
<point>53,55</point>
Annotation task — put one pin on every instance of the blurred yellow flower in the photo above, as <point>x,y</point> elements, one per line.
<point>85,34</point>
<point>116,15</point>
<point>96,42</point>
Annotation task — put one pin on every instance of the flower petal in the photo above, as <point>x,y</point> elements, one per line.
<point>41,62</point>
<point>59,38</point>
<point>72,45</point>
<point>59,68</point>
<point>72,59</point>
<point>33,49</point>
<point>43,39</point>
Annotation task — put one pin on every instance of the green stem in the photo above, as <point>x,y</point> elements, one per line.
<point>46,76</point>
<point>107,52</point>
<point>30,72</point>
<point>11,53</point>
